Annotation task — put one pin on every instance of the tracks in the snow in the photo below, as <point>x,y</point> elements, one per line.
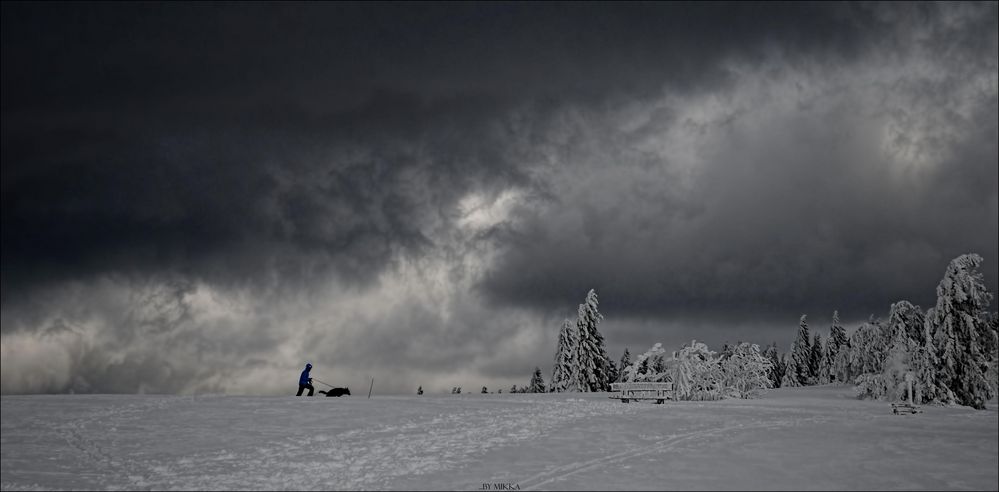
<point>93,437</point>
<point>665,445</point>
<point>371,457</point>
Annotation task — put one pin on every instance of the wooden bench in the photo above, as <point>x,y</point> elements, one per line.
<point>660,392</point>
<point>902,408</point>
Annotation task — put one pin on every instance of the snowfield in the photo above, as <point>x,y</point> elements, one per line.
<point>810,438</point>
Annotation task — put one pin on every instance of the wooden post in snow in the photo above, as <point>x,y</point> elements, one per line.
<point>908,381</point>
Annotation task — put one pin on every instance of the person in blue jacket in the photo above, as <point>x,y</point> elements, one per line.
<point>305,381</point>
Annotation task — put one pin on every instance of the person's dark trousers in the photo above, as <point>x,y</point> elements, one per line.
<point>303,386</point>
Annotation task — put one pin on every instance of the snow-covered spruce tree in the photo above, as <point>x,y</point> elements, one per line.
<point>801,353</point>
<point>726,350</point>
<point>641,368</point>
<point>612,372</point>
<point>658,364</point>
<point>826,367</point>
<point>959,328</point>
<point>636,371</point>
<point>841,364</point>
<point>907,332</point>
<point>815,361</point>
<point>537,382</point>
<point>592,356</point>
<point>871,342</point>
<point>838,347</point>
<point>746,371</point>
<point>924,362</point>
<point>565,373</point>
<point>696,373</point>
<point>625,362</point>
<point>776,366</point>
<point>644,369</point>
<point>991,344</point>
<point>859,351</point>
<point>789,380</point>
<point>906,317</point>
<point>896,361</point>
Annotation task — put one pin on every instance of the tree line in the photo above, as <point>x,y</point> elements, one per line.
<point>949,353</point>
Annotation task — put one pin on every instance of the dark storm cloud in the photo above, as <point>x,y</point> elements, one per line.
<point>194,190</point>
<point>153,136</point>
<point>766,228</point>
<point>831,191</point>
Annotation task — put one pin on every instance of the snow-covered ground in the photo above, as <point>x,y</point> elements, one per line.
<point>797,438</point>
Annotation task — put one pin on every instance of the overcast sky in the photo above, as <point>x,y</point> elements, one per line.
<point>200,198</point>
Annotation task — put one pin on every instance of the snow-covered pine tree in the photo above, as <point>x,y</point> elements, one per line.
<point>746,371</point>
<point>908,318</point>
<point>564,374</point>
<point>640,369</point>
<point>896,361</point>
<point>625,362</point>
<point>592,356</point>
<point>586,364</point>
<point>842,365</point>
<point>644,369</point>
<point>658,364</point>
<point>789,380</point>
<point>801,353</point>
<point>991,346</point>
<point>815,361</point>
<point>924,365</point>
<point>612,372</point>
<point>869,348</point>
<point>537,382</point>
<point>726,350</point>
<point>959,329</point>
<point>776,367</point>
<point>696,373</point>
<point>839,351</point>
<point>825,368</point>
